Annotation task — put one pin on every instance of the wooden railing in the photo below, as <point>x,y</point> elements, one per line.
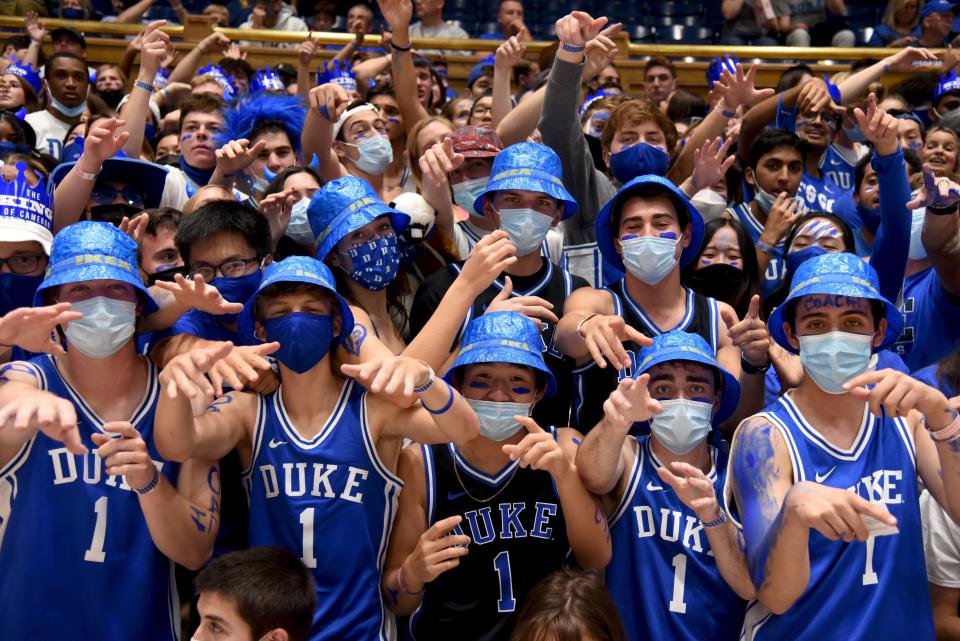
<point>106,41</point>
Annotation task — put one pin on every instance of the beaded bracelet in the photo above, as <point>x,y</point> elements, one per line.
<point>569,48</point>
<point>146,489</point>
<point>765,248</point>
<point>146,86</point>
<point>720,520</point>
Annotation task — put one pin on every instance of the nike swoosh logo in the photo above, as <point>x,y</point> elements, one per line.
<point>821,478</point>
<point>275,443</point>
<point>453,496</point>
<point>653,488</point>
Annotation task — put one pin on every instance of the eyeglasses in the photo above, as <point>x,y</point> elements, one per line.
<point>480,109</point>
<point>105,195</point>
<point>230,268</point>
<point>826,117</point>
<point>23,264</point>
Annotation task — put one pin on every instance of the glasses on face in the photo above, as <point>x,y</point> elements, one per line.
<point>23,264</point>
<point>230,268</point>
<point>479,110</point>
<point>826,117</point>
<point>106,195</point>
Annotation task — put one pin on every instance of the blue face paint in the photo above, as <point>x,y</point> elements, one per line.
<point>706,261</point>
<point>478,385</point>
<point>395,121</point>
<point>667,234</point>
<point>185,137</point>
<point>521,390</point>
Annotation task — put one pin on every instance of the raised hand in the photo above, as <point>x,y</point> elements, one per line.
<point>510,52</point>
<point>833,512</point>
<point>877,126</point>
<point>710,163</point>
<point>780,219</point>
<point>102,142</point>
<point>34,27</point>
<point>749,335</point>
<point>186,373</point>
<point>693,488</point>
<point>32,328</point>
<point>604,336</point>
<point>277,207</point>
<point>935,192</point>
<point>600,52</point>
<point>234,52</point>
<point>154,49</point>
<point>815,96</point>
<point>126,456</point>
<point>389,374</point>
<point>739,88</point>
<point>489,258</point>
<point>538,450</point>
<point>308,50</point>
<point>328,101</point>
<point>46,412</point>
<point>579,28</point>
<point>438,162</point>
<point>237,155</point>
<point>533,307</point>
<point>903,61</point>
<point>135,227</point>
<point>438,550</point>
<point>239,369</point>
<point>216,42</point>
<point>198,294</point>
<point>898,393</point>
<point>631,403</point>
<point>397,13</point>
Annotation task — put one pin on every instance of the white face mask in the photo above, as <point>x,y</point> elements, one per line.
<point>709,203</point>
<point>649,258</point>
<point>496,418</point>
<point>834,358</point>
<point>466,193</point>
<point>917,250</point>
<point>527,228</point>
<point>376,154</point>
<point>299,226</point>
<point>682,425</point>
<point>106,326</point>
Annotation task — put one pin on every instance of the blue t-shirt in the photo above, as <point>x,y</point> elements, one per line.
<point>931,321</point>
<point>929,376</point>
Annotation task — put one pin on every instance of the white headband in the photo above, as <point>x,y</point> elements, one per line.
<point>350,112</point>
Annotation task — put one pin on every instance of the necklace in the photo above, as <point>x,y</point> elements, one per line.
<point>456,473</point>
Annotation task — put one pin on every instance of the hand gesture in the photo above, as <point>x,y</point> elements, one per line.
<point>878,126</point>
<point>437,551</point>
<point>126,456</point>
<point>780,219</point>
<point>155,48</point>
<point>359,32</point>
<point>814,96</point>
<point>34,27</point>
<point>579,28</point>
<point>233,51</point>
<point>951,58</point>
<point>538,450</point>
<point>308,50</point>
<point>386,37</point>
<point>533,307</point>
<point>135,227</point>
<point>509,53</point>
<point>898,393</point>
<point>32,328</point>
<point>397,13</point>
<point>600,52</point>
<point>935,192</point>
<point>739,89</point>
<point>604,336</point>
<point>237,155</point>
<point>238,369</point>
<point>389,374</point>
<point>39,410</point>
<point>488,259</point>
<point>216,42</point>
<point>329,100</point>
<point>277,208</point>
<point>631,403</point>
<point>102,142</point>
<point>693,488</point>
<point>833,512</point>
<point>438,162</point>
<point>750,335</point>
<point>710,163</point>
<point>198,294</point>
<point>203,371</point>
<point>903,61</point>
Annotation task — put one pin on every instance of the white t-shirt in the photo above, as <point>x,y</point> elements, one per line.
<point>941,543</point>
<point>50,132</point>
<point>442,30</point>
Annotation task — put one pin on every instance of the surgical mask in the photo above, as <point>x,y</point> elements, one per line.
<point>764,199</point>
<point>527,228</point>
<point>304,338</point>
<point>682,425</point>
<point>69,112</point>
<point>466,193</point>
<point>639,160</point>
<point>299,226</point>
<point>649,258</point>
<point>238,289</point>
<point>376,154</point>
<point>799,257</point>
<point>496,418</point>
<point>17,290</point>
<point>834,358</point>
<point>854,134</point>
<point>374,265</point>
<point>106,326</point>
<point>70,13</point>
<point>709,203</point>
<point>917,251</point>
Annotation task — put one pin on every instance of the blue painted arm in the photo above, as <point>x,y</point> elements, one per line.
<point>892,241</point>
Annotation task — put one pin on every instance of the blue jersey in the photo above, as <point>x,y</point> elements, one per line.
<point>331,501</point>
<point>931,321</point>
<point>777,268</point>
<point>664,578</point>
<point>821,194</point>
<point>856,590</point>
<point>884,359</point>
<point>77,558</point>
<point>836,165</point>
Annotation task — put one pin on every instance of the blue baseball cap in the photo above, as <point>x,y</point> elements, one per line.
<point>503,337</point>
<point>343,206</point>
<point>681,346</point>
<point>296,269</point>
<point>649,186</point>
<point>92,250</point>
<point>477,70</point>
<point>146,177</point>
<point>529,166</point>
<point>841,274</point>
<point>937,6</point>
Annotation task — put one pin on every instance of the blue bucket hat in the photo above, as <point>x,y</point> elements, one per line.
<point>92,250</point>
<point>343,206</point>
<point>841,274</point>
<point>648,185</point>
<point>503,337</point>
<point>146,177</point>
<point>530,167</point>
<point>296,269</point>
<point>681,346</point>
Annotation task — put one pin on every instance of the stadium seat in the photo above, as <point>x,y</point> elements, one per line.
<point>672,21</point>
<point>686,35</point>
<point>863,35</point>
<point>642,33</point>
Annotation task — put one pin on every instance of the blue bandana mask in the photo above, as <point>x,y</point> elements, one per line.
<point>17,291</point>
<point>236,290</point>
<point>496,418</point>
<point>527,228</point>
<point>834,358</point>
<point>374,265</point>
<point>797,258</point>
<point>639,160</point>
<point>870,217</point>
<point>304,338</point>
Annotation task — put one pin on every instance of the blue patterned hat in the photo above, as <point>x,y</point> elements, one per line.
<point>840,274</point>
<point>26,213</point>
<point>343,206</point>
<point>529,166</point>
<point>222,78</point>
<point>27,72</point>
<point>296,269</point>
<point>681,346</point>
<point>337,72</point>
<point>503,337</point>
<point>92,250</point>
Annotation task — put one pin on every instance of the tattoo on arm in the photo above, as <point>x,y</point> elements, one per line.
<point>204,520</point>
<point>215,405</point>
<point>354,341</point>
<point>394,596</point>
<point>15,367</point>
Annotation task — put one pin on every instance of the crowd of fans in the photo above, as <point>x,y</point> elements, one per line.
<point>367,355</point>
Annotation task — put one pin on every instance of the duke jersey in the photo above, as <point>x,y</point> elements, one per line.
<point>821,194</point>
<point>592,384</point>
<point>777,268</point>
<point>931,321</point>
<point>517,537</point>
<point>77,558</point>
<point>857,590</point>
<point>331,501</point>
<point>664,579</point>
<point>840,165</point>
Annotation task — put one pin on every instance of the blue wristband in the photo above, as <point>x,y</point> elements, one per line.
<point>569,48</point>
<point>149,486</point>
<point>445,407</point>
<point>140,84</point>
<point>720,520</point>
<point>767,249</point>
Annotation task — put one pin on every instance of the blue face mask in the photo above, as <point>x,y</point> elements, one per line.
<point>797,258</point>
<point>466,193</point>
<point>834,358</point>
<point>7,148</point>
<point>854,134</point>
<point>682,425</point>
<point>496,418</point>
<point>870,217</point>
<point>71,14</point>
<point>649,258</point>
<point>527,228</point>
<point>639,160</point>
<point>374,265</point>
<point>17,291</point>
<point>236,290</point>
<point>304,339</point>
<point>73,151</point>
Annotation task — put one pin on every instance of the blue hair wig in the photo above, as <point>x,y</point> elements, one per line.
<point>240,121</point>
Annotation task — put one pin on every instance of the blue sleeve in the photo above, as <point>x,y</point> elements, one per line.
<point>186,325</point>
<point>892,241</point>
<point>786,117</point>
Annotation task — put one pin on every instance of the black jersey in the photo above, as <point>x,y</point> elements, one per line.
<point>550,283</point>
<point>518,536</point>
<point>592,384</point>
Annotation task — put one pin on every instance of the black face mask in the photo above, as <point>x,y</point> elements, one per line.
<point>112,97</point>
<point>113,213</point>
<point>720,281</point>
<point>168,159</point>
<point>168,275</point>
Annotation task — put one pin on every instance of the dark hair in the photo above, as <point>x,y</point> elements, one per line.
<point>918,88</point>
<point>277,183</point>
<point>205,103</point>
<point>25,133</point>
<point>791,77</point>
<point>769,140</point>
<point>567,605</point>
<point>236,67</point>
<point>48,65</point>
<point>860,170</point>
<point>523,67</point>
<point>381,89</point>
<point>268,126</point>
<point>948,372</point>
<point>877,308</point>
<point>17,42</point>
<point>750,283</point>
<point>223,216</point>
<point>270,588</point>
<point>683,106</point>
<point>162,219</point>
<point>659,61</point>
